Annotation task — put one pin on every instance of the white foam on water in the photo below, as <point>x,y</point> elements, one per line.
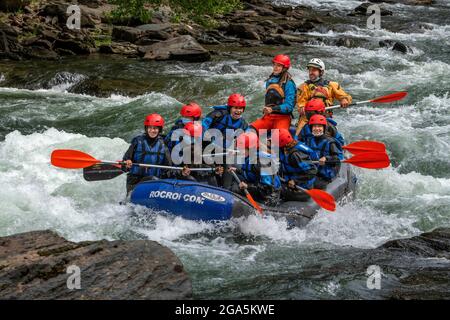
<point>431,32</point>
<point>36,195</point>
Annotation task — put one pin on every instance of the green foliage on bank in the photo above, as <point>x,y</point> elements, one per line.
<point>201,11</point>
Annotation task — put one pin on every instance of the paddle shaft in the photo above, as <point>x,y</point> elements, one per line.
<point>158,166</point>
<point>352,104</point>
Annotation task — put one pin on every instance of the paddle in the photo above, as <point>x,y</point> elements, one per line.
<point>368,160</point>
<point>101,171</point>
<point>247,194</point>
<point>74,159</point>
<point>384,99</point>
<point>322,198</point>
<point>365,146</point>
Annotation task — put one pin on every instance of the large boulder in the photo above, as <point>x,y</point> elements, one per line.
<point>40,264</point>
<point>13,5</point>
<point>244,31</point>
<point>180,48</point>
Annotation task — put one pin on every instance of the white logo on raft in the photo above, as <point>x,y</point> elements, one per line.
<point>213,197</point>
<point>176,196</point>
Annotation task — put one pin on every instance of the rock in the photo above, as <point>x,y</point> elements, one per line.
<point>398,46</point>
<point>163,14</point>
<point>407,2</point>
<point>92,3</point>
<point>73,45</point>
<point>39,52</point>
<point>244,31</point>
<point>276,40</point>
<point>180,48</point>
<point>128,34</point>
<point>13,5</point>
<point>34,265</point>
<point>9,43</point>
<point>361,10</point>
<point>122,48</point>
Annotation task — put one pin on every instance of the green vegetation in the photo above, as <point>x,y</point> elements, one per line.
<point>200,11</point>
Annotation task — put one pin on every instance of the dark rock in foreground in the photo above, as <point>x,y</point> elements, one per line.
<point>34,265</point>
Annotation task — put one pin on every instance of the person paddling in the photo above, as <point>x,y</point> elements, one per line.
<point>189,112</point>
<point>228,119</point>
<point>296,167</point>
<point>147,148</point>
<point>317,106</point>
<point>257,173</point>
<point>326,149</point>
<point>319,87</point>
<point>280,97</point>
<point>191,142</point>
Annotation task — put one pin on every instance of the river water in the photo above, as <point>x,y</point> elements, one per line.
<point>252,257</point>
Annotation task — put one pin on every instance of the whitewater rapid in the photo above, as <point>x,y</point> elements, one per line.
<point>404,200</point>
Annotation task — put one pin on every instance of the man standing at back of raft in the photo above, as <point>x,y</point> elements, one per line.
<point>280,98</point>
<point>318,87</point>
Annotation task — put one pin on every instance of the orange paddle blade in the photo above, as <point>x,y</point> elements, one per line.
<point>370,160</point>
<point>365,146</point>
<point>322,198</point>
<point>253,202</point>
<point>72,159</point>
<point>390,97</point>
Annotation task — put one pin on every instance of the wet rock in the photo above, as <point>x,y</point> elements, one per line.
<point>184,48</point>
<point>395,45</point>
<point>400,47</point>
<point>40,52</point>
<point>34,265</point>
<point>77,42</point>
<point>407,2</point>
<point>10,47</point>
<point>244,31</point>
<point>122,48</point>
<point>13,5</point>
<point>361,10</point>
<point>129,34</point>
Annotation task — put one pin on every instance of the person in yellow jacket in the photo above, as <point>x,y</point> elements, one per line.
<point>318,87</point>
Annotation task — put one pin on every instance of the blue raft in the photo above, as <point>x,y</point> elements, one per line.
<point>198,201</point>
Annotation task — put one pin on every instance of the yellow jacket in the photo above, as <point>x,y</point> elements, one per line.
<point>329,91</point>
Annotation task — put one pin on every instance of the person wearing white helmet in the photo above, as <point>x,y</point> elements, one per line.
<point>318,87</point>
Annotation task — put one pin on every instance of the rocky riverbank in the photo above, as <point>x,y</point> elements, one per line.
<point>37,265</point>
<point>34,265</point>
<point>37,30</point>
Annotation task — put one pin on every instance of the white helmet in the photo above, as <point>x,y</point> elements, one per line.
<point>316,63</point>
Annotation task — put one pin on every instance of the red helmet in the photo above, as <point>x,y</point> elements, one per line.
<point>318,119</point>
<point>315,105</point>
<point>193,129</point>
<point>284,138</point>
<point>191,110</point>
<point>282,59</point>
<point>248,140</point>
<point>154,120</point>
<point>237,100</point>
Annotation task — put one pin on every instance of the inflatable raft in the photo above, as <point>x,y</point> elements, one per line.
<point>198,201</point>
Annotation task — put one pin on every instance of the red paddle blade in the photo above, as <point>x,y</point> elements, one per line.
<point>72,159</point>
<point>322,198</point>
<point>365,146</point>
<point>254,204</point>
<point>391,97</point>
<point>370,160</point>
